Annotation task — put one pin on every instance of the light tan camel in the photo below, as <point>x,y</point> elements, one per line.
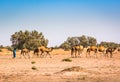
<point>46,50</point>
<point>25,52</point>
<point>76,49</point>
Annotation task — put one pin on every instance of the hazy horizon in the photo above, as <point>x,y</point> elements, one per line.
<point>60,19</point>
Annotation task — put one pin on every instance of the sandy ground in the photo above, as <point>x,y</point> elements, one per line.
<point>55,70</point>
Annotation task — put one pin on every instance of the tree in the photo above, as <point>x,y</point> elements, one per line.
<point>65,45</point>
<point>83,40</point>
<point>109,44</point>
<point>91,41</point>
<point>28,39</point>
<point>73,41</point>
<point>79,40</point>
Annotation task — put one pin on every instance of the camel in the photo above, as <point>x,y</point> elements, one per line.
<point>110,51</point>
<point>43,50</point>
<point>102,49</point>
<point>118,49</point>
<point>76,49</point>
<point>92,48</point>
<point>38,50</point>
<point>96,49</point>
<point>25,52</point>
<point>47,51</point>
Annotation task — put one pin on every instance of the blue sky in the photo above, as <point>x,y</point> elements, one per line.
<point>60,19</point>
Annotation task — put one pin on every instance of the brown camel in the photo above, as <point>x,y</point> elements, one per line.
<point>110,51</point>
<point>102,49</point>
<point>38,50</point>
<point>118,49</point>
<point>25,52</point>
<point>92,48</point>
<point>96,49</point>
<point>46,50</point>
<point>76,49</point>
<point>43,50</point>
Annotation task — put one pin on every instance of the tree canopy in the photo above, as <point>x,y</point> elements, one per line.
<point>86,41</point>
<point>78,40</point>
<point>27,39</point>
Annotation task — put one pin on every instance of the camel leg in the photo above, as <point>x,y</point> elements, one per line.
<point>103,54</point>
<point>79,53</point>
<point>75,53</point>
<point>72,54</point>
<point>110,54</point>
<point>41,54</point>
<point>24,55</point>
<point>86,54</point>
<point>49,55</point>
<point>95,53</point>
<point>89,54</point>
<point>106,54</point>
<point>28,55</point>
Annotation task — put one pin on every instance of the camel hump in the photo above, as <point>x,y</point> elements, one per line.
<point>77,47</point>
<point>81,47</point>
<point>41,47</point>
<point>101,48</point>
<point>93,47</point>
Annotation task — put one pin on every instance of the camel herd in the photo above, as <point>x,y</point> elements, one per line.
<point>41,51</point>
<point>76,51</point>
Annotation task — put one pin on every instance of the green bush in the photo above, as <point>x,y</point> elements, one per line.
<point>9,48</point>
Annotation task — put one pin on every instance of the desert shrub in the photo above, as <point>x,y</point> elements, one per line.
<point>33,62</point>
<point>75,69</point>
<point>9,48</point>
<point>34,68</point>
<point>0,50</point>
<point>67,60</point>
<point>81,78</point>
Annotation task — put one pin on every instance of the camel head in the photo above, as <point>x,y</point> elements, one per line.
<point>51,48</point>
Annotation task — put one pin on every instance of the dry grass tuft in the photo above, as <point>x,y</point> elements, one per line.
<point>67,60</point>
<point>74,69</point>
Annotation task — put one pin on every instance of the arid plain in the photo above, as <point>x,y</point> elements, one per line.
<point>53,69</point>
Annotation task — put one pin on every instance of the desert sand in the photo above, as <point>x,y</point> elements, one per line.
<point>53,69</point>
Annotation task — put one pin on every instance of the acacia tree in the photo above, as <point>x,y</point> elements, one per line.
<point>65,45</point>
<point>28,39</point>
<point>109,44</point>
<point>79,40</point>
<point>92,41</point>
<point>83,40</point>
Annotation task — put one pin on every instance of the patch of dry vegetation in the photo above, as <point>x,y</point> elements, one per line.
<point>67,60</point>
<point>74,69</point>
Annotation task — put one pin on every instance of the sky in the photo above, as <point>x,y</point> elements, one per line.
<point>60,19</point>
